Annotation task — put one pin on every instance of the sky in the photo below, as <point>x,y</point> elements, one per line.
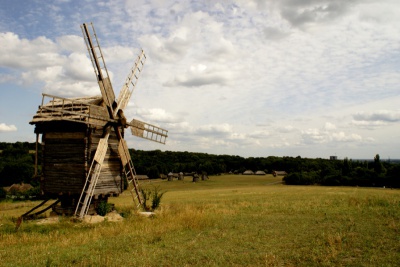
<point>309,78</point>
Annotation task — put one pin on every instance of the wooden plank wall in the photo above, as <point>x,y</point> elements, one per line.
<point>64,162</point>
<point>67,155</point>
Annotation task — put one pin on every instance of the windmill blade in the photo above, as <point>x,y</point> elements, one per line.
<point>148,131</point>
<point>130,82</point>
<point>123,152</point>
<point>99,66</point>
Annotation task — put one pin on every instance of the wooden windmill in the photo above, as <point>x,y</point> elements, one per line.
<point>85,157</point>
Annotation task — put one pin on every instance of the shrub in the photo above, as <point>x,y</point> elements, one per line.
<point>3,193</point>
<point>103,208</point>
<point>301,178</point>
<point>145,197</point>
<point>155,195</point>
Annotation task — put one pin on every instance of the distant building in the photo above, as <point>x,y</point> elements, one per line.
<point>142,177</point>
<point>19,188</point>
<point>279,173</point>
<point>333,157</point>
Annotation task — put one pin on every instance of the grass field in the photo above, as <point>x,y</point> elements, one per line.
<point>225,221</point>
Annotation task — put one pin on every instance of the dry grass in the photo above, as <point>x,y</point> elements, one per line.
<point>226,221</point>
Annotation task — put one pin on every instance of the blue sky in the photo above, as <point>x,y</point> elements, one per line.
<point>309,78</point>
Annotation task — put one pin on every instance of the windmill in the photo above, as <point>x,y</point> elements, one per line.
<point>85,157</point>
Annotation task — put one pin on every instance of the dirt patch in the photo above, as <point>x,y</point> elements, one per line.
<point>110,217</point>
<point>93,219</point>
<point>49,220</point>
<point>113,217</point>
<point>147,213</point>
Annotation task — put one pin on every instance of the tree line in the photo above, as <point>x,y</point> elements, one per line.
<point>301,171</point>
<point>17,165</point>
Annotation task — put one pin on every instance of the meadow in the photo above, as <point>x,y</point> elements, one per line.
<point>225,221</point>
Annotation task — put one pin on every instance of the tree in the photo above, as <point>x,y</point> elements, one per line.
<point>346,168</point>
<point>378,167</point>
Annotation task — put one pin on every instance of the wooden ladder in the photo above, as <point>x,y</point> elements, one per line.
<point>131,176</point>
<point>85,199</point>
<point>129,171</point>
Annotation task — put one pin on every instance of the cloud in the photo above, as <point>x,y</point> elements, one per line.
<point>22,53</point>
<point>342,137</point>
<point>210,129</point>
<point>368,124</point>
<point>328,135</point>
<point>376,119</point>
<point>199,75</point>
<point>62,67</point>
<point>157,115</point>
<point>259,134</point>
<point>286,129</point>
<point>7,128</point>
<point>313,136</point>
<point>378,116</point>
<point>299,13</point>
<point>329,126</point>
<point>274,33</point>
<point>168,49</point>
<point>4,78</point>
<point>71,43</point>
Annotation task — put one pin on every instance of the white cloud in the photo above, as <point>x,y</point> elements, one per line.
<point>329,126</point>
<point>157,115</point>
<point>7,128</point>
<point>199,76</point>
<point>211,129</point>
<point>328,135</point>
<point>71,43</point>
<point>368,124</point>
<point>23,53</point>
<point>342,137</point>
<point>286,129</point>
<point>378,116</point>
<point>376,119</point>
<point>4,78</point>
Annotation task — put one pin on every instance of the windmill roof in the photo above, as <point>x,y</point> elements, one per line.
<point>79,109</point>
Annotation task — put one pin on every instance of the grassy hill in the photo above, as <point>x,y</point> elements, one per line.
<point>225,221</point>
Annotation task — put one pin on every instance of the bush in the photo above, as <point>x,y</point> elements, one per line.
<point>3,193</point>
<point>155,195</point>
<point>301,178</point>
<point>145,197</point>
<point>332,180</point>
<point>103,208</point>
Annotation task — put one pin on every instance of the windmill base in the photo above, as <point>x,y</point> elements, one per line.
<point>67,205</point>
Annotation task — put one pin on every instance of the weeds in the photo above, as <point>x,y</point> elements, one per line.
<point>103,208</point>
<point>155,195</point>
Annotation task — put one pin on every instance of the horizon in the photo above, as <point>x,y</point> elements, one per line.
<point>397,160</point>
<point>247,78</point>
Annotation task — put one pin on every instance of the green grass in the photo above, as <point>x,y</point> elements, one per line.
<point>225,221</point>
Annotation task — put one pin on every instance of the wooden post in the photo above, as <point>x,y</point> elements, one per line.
<point>36,155</point>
